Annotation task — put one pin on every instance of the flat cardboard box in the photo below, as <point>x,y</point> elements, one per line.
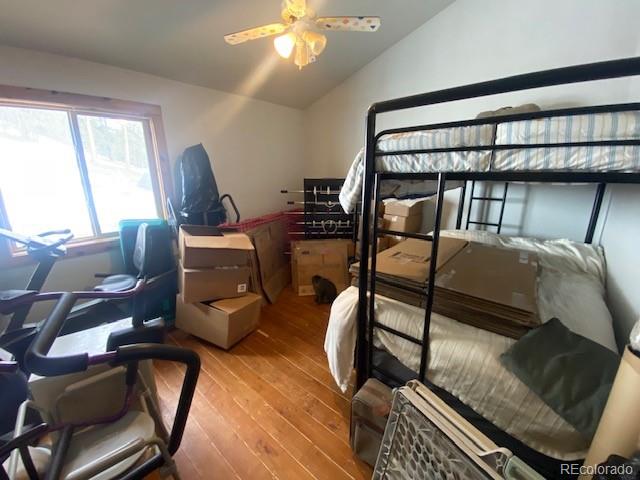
<point>255,286</point>
<point>200,248</point>
<point>223,323</point>
<point>399,223</point>
<point>327,258</point>
<point>270,243</point>
<point>501,276</point>
<point>200,285</point>
<point>411,259</point>
<point>404,208</point>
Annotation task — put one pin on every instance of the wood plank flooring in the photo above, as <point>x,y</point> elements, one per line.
<point>267,408</point>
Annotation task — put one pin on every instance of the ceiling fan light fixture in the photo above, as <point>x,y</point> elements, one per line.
<point>284,44</point>
<point>302,55</point>
<point>300,29</point>
<point>316,41</point>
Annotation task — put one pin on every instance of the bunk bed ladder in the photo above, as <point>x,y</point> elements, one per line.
<point>428,292</point>
<point>502,200</point>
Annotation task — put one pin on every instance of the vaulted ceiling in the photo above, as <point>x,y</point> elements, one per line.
<point>182,40</point>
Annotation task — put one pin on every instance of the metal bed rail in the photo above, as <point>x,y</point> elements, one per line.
<point>373,179</point>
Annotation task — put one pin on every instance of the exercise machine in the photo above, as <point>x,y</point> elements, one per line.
<point>129,442</point>
<point>46,249</point>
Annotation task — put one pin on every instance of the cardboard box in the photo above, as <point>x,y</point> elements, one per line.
<point>349,245</point>
<point>382,244</point>
<point>399,223</point>
<point>502,276</point>
<point>200,285</point>
<point>394,240</point>
<point>411,259</point>
<point>271,243</point>
<point>200,248</point>
<point>404,208</point>
<point>255,286</point>
<point>223,323</point>
<point>327,258</point>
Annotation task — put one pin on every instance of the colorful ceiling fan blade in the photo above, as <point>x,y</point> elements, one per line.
<point>297,8</point>
<point>351,24</point>
<point>255,33</point>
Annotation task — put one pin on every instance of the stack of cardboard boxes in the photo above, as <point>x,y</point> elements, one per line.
<point>215,302</point>
<point>402,216</point>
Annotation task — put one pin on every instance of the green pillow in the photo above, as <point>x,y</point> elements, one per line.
<point>570,373</point>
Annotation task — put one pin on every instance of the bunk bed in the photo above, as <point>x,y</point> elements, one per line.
<point>596,145</point>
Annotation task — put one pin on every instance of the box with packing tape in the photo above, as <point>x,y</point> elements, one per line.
<point>326,258</point>
<point>404,208</point>
<point>212,265</point>
<point>403,215</point>
<point>398,223</point>
<point>224,322</point>
<point>202,284</point>
<point>204,247</point>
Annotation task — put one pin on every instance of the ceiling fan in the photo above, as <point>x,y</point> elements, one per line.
<point>300,31</point>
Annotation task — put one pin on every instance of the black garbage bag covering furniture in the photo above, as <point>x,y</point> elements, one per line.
<point>200,199</point>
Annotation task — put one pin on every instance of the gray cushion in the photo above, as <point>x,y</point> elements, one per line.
<point>570,373</point>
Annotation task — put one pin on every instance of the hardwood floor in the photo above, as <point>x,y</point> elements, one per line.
<point>267,408</point>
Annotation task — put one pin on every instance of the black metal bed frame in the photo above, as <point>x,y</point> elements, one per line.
<point>372,179</point>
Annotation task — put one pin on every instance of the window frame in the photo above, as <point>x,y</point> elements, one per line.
<point>78,104</point>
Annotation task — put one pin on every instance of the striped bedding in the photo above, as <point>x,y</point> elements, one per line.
<point>601,126</point>
<point>595,127</point>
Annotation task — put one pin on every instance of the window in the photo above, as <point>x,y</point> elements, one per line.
<point>78,167</point>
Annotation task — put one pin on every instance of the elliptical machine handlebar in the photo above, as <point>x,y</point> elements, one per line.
<point>41,245</point>
<point>36,356</point>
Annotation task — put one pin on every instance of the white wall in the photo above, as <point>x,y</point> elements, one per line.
<point>256,147</point>
<point>619,238</point>
<point>474,41</point>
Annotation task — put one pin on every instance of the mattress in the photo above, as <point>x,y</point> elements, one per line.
<point>464,360</point>
<point>578,128</point>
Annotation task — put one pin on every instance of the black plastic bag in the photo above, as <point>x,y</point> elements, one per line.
<point>200,200</point>
<point>197,183</point>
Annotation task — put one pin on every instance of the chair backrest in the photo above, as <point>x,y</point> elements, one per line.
<point>152,252</point>
<point>142,249</point>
